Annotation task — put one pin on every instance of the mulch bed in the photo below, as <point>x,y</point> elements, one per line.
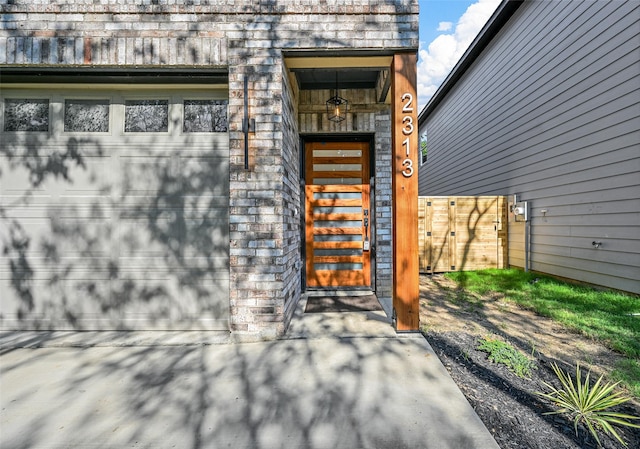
<point>506,403</point>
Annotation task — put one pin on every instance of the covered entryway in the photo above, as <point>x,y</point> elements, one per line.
<point>338,214</point>
<point>115,207</point>
<point>348,245</point>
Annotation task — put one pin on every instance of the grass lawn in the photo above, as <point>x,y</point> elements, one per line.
<point>610,317</point>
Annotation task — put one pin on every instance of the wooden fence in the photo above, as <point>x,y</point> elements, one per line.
<point>462,233</point>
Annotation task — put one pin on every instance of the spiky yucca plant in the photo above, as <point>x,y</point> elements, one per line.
<point>589,405</point>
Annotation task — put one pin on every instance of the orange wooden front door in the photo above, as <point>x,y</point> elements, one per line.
<point>338,214</point>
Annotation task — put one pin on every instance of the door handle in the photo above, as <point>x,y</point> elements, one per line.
<point>366,230</point>
<point>366,221</point>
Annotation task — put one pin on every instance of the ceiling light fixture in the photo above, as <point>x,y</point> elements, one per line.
<point>337,106</point>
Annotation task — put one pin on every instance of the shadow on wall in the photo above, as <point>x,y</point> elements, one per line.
<point>122,254</point>
<point>476,224</point>
<point>37,167</point>
<point>95,237</point>
<point>462,233</point>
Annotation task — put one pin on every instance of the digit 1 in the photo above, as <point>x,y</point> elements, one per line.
<point>406,143</point>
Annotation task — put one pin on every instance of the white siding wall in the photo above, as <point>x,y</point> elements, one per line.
<point>550,111</point>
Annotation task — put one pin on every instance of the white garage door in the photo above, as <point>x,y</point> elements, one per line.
<point>114,208</point>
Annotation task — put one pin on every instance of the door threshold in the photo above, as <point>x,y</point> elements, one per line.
<point>351,291</point>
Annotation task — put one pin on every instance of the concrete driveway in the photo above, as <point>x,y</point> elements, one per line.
<point>349,388</point>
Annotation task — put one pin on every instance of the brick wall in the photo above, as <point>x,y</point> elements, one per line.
<point>383,211</point>
<point>248,38</point>
<point>195,32</point>
<point>363,107</point>
<point>292,199</point>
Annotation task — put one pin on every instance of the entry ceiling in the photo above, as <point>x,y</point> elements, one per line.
<point>313,72</point>
<point>354,78</point>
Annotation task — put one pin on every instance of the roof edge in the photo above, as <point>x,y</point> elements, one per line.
<point>500,17</point>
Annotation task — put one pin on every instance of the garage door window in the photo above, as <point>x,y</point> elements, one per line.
<point>207,116</point>
<point>86,116</point>
<point>26,114</point>
<point>146,116</point>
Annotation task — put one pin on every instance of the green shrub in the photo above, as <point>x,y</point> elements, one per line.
<point>505,354</point>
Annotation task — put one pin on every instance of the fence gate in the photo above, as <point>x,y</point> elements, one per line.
<point>462,233</point>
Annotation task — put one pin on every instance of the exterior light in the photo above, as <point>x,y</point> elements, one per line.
<point>337,106</point>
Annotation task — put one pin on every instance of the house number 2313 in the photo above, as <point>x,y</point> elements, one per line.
<point>407,130</point>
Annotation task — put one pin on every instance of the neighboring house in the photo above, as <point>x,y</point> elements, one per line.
<point>154,159</point>
<point>545,105</point>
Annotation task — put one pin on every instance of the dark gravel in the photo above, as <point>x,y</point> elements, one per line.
<point>507,405</point>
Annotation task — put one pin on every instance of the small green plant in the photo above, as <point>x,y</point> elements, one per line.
<point>609,317</point>
<point>505,354</point>
<point>588,404</point>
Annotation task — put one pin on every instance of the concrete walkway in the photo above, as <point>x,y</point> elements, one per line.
<point>342,380</point>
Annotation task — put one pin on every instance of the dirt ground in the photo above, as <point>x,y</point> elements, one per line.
<point>453,321</point>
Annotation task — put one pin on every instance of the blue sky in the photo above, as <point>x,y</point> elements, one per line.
<point>447,27</point>
<point>433,12</point>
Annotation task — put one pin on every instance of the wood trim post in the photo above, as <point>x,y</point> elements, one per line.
<point>404,140</point>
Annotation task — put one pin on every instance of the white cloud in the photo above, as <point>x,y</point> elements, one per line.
<point>444,26</point>
<point>437,60</point>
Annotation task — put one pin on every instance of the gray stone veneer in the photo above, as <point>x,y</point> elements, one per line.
<point>247,38</point>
